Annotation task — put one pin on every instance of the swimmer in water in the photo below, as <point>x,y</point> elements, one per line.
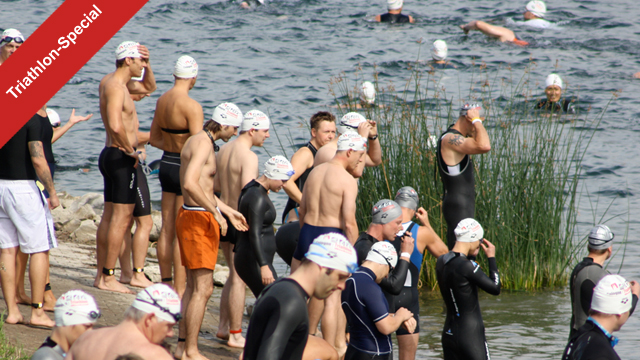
<point>176,118</point>
<point>459,279</point>
<point>394,14</point>
<point>255,248</point>
<point>251,4</point>
<point>498,32</point>
<point>439,51</point>
<point>554,104</point>
<point>456,145</point>
<point>279,324</point>
<point>534,13</point>
<point>11,40</point>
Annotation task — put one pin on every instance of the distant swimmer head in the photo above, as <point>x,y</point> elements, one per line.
<point>186,67</point>
<point>383,253</point>
<point>554,86</point>
<point>333,251</point>
<point>227,114</point>
<point>468,231</point>
<point>161,300</point>
<point>407,197</point>
<point>369,92</point>
<point>439,50</point>
<point>11,35</point>
<point>385,211</point>
<point>350,122</point>
<point>600,237</point>
<point>76,307</point>
<point>468,106</point>
<point>278,168</point>
<point>537,8</point>
<point>352,141</point>
<point>53,116</point>
<point>127,49</point>
<point>394,4</point>
<point>612,295</point>
<point>554,80</point>
<point>255,119</point>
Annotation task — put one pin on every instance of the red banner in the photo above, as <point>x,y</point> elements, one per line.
<point>46,61</point>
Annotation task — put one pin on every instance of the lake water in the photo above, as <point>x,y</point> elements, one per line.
<point>281,57</point>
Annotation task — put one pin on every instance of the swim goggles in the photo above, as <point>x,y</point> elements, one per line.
<point>176,316</point>
<point>9,39</point>
<point>391,267</point>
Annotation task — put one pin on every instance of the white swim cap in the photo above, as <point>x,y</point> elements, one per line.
<point>76,307</point>
<point>537,8</point>
<point>439,50</point>
<point>385,211</point>
<point>394,4</point>
<point>369,92</point>
<point>407,197</point>
<point>11,35</point>
<point>468,230</point>
<point>353,141</point>
<point>278,168</point>
<point>612,295</point>
<point>383,253</point>
<point>600,237</point>
<point>227,114</point>
<point>161,300</point>
<point>127,49</point>
<point>53,116</point>
<point>255,119</point>
<point>554,79</point>
<point>349,122</point>
<point>186,67</point>
<point>333,251</point>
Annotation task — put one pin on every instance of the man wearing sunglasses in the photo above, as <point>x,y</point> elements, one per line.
<point>367,309</point>
<point>11,40</point>
<point>76,312</point>
<point>147,323</point>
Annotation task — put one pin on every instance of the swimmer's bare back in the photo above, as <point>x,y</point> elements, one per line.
<point>237,166</point>
<point>176,111</point>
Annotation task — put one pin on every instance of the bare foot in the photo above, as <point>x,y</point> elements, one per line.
<point>236,341</point>
<point>110,283</point>
<point>179,350</point>
<point>222,335</point>
<point>195,356</point>
<point>14,318</point>
<point>41,319</point>
<point>23,299</point>
<point>124,279</point>
<point>139,280</point>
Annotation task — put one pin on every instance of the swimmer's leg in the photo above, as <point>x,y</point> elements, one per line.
<point>167,234</point>
<point>202,282</point>
<point>179,271</point>
<point>8,278</point>
<point>126,271</point>
<point>140,245</point>
<point>231,302</point>
<point>21,269</point>
<point>407,346</point>
<point>38,267</point>
<point>318,348</point>
<point>120,221</point>
<point>101,240</point>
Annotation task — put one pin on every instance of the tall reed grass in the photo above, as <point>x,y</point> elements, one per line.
<point>526,186</point>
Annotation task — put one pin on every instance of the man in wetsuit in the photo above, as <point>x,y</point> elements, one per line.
<point>323,130</point>
<point>119,159</point>
<point>237,166</point>
<point>554,104</point>
<point>11,40</point>
<point>497,32</point>
<point>329,205</point>
<point>75,312</point>
<point>279,324</point>
<point>464,138</point>
<point>394,15</point>
<point>459,279</point>
<point>611,307</point>
<point>367,310</point>
<point>146,325</point>
<point>425,239</point>
<point>200,223</point>
<point>177,117</point>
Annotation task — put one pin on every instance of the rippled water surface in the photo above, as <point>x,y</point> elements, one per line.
<point>281,57</point>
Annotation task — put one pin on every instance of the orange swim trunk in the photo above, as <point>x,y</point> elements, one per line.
<point>198,237</point>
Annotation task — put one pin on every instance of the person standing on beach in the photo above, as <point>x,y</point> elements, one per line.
<point>464,138</point>
<point>237,166</point>
<point>119,159</point>
<point>177,117</point>
<point>394,15</point>
<point>200,223</point>
<point>11,40</point>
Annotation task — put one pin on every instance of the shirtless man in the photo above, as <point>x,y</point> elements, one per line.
<point>119,159</point>
<point>11,40</point>
<point>329,205</point>
<point>199,223</point>
<point>177,117</point>
<point>237,166</point>
<point>501,33</point>
<point>147,323</point>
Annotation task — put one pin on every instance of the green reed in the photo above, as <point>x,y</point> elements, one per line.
<point>526,186</point>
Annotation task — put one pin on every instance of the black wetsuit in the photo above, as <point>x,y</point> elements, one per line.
<point>395,18</point>
<point>279,325</point>
<point>459,197</point>
<point>459,279</point>
<point>300,183</point>
<point>120,181</point>
<point>409,296</point>
<point>255,248</point>
<point>391,285</point>
<point>561,106</point>
<point>143,199</point>
<point>590,343</point>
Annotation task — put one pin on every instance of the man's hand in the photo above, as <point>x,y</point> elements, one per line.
<point>404,314</point>
<point>364,129</point>
<point>423,217</point>
<point>488,248</point>
<point>407,243</point>
<point>73,119</point>
<point>410,325</point>
<point>133,155</point>
<point>54,202</point>
<point>144,52</point>
<point>373,131</point>
<point>238,221</point>
<point>472,114</point>
<point>221,222</point>
<point>635,287</point>
<point>267,275</point>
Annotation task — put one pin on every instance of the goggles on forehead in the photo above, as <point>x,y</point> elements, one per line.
<point>176,316</point>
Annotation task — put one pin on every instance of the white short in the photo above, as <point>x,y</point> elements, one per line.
<point>25,219</point>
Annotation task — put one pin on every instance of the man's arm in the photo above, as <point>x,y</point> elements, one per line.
<point>73,119</point>
<point>195,117</point>
<point>237,219</point>
<point>114,98</point>
<point>155,135</point>
<point>249,169</point>
<point>478,144</point>
<point>394,282</point>
<point>148,83</point>
<point>427,237</point>
<point>301,161</point>
<point>143,137</point>
<point>42,170</point>
<point>349,211</point>
<point>374,152</point>
<point>392,322</point>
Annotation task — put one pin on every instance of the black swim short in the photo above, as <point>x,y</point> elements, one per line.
<point>169,174</point>
<point>119,173</point>
<point>308,233</point>
<point>143,199</point>
<point>231,232</point>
